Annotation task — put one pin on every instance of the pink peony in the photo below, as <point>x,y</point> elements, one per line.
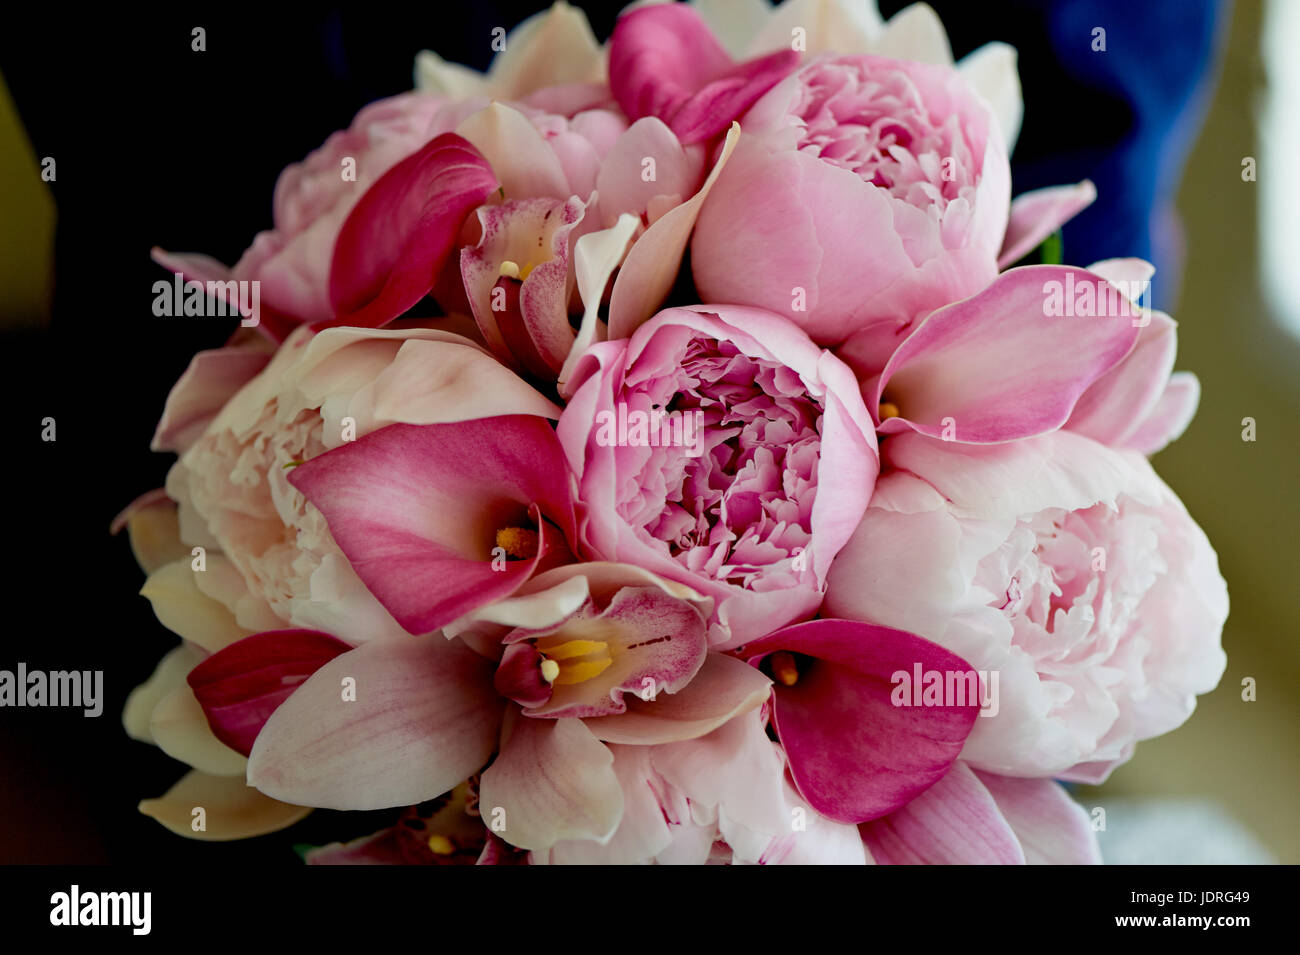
<point>722,448</point>
<point>1068,568</point>
<point>888,184</point>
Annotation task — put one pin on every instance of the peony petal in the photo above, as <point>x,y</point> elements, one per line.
<point>997,482</point>
<point>854,754</point>
<point>186,611</point>
<point>1051,827</point>
<point>207,384</point>
<point>951,376</point>
<point>153,526</point>
<point>180,729</point>
<point>916,33</point>
<point>991,71</point>
<point>397,238</point>
<point>423,719</point>
<point>241,686</point>
<point>416,510</point>
<point>231,809</point>
<point>1036,215</point>
<point>554,781</point>
<point>550,48</point>
<point>169,675</point>
<point>843,26</point>
<point>955,822</point>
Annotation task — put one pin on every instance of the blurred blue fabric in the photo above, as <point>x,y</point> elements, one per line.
<point>1125,117</point>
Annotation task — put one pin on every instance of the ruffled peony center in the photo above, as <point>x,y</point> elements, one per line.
<point>239,485</point>
<point>875,123</point>
<point>732,499</point>
<point>1072,582</point>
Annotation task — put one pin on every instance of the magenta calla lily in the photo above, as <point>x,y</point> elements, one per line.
<point>397,238</point>
<point>665,62</point>
<point>420,510</point>
<point>241,686</point>
<point>999,365</point>
<point>854,755</point>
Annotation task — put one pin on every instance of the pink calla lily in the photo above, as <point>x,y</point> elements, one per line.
<point>397,238</point>
<point>664,61</point>
<point>420,510</point>
<point>854,754</point>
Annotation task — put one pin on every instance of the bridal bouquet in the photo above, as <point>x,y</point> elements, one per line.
<point>661,452</point>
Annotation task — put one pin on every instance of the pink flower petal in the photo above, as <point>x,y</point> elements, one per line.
<point>397,238</point>
<point>1036,215</point>
<point>1120,400</point>
<point>416,510</point>
<point>206,385</point>
<point>998,366</point>
<point>424,718</point>
<point>955,822</point>
<point>854,754</point>
<point>553,780</point>
<point>1172,413</point>
<point>664,62</point>
<point>723,688</point>
<point>241,686</point>
<point>1051,827</point>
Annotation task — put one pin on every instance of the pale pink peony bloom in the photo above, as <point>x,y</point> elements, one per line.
<point>1067,568</point>
<point>889,186</point>
<point>720,447</point>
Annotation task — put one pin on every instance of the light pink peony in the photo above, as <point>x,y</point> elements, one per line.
<point>768,469</point>
<point>864,193</point>
<point>271,559</point>
<point>1067,568</point>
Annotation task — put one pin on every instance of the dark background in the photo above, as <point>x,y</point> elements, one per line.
<point>160,145</point>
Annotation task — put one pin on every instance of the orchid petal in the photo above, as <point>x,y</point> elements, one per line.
<point>231,809</point>
<point>554,781</point>
<point>423,719</point>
